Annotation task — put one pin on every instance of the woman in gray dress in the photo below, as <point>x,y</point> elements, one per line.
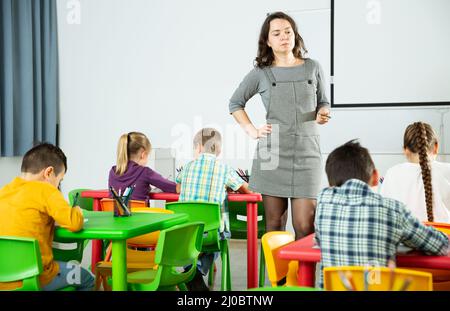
<point>287,162</point>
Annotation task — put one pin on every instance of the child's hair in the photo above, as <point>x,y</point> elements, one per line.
<point>348,161</point>
<point>129,145</point>
<point>210,139</point>
<point>420,138</point>
<point>42,156</point>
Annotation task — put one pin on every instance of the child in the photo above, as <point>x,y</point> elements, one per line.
<point>405,182</point>
<point>131,169</point>
<point>29,207</point>
<point>355,226</point>
<point>206,179</point>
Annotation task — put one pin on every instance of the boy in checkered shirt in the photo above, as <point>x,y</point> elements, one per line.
<point>355,226</point>
<point>205,179</point>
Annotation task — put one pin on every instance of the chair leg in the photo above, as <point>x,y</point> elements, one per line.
<point>211,276</point>
<point>262,268</point>
<point>226,273</point>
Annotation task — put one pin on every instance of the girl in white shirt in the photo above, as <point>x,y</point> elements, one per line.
<point>405,182</point>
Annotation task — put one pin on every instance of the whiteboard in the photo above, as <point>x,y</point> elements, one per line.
<point>391,52</point>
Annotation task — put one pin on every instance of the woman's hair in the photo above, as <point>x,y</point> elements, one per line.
<point>265,55</point>
<point>129,145</point>
<point>420,138</point>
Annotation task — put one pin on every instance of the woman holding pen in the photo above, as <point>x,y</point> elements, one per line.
<point>288,162</point>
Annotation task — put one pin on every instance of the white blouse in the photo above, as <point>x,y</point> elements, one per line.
<point>403,182</point>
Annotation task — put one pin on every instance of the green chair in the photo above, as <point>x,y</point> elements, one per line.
<point>67,249</point>
<point>21,260</point>
<point>84,203</point>
<point>238,228</point>
<point>177,247</point>
<point>209,213</point>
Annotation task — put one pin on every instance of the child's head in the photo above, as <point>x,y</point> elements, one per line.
<point>420,143</point>
<point>133,146</point>
<point>350,161</point>
<point>44,162</point>
<point>208,140</point>
<point>420,139</point>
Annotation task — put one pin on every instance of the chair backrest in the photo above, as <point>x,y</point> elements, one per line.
<point>278,269</point>
<point>149,239</point>
<point>177,247</point>
<point>84,203</point>
<point>443,227</point>
<point>20,260</point>
<point>205,212</point>
<point>67,249</point>
<point>375,279</point>
<point>238,219</point>
<point>107,205</point>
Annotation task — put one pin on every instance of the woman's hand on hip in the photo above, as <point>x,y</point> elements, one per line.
<point>323,115</point>
<point>255,133</point>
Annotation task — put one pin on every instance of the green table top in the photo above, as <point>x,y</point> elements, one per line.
<point>103,225</point>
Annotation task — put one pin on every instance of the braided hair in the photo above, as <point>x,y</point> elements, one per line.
<point>420,138</point>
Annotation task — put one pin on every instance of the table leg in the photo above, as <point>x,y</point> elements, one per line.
<point>252,245</point>
<point>119,265</point>
<point>97,245</point>
<point>305,274</point>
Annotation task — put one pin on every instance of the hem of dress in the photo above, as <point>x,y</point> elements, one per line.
<point>294,196</point>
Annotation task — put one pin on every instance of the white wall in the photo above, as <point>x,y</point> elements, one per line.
<point>169,67</point>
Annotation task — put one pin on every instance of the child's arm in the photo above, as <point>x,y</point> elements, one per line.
<point>178,189</point>
<point>424,238</point>
<point>244,188</point>
<point>66,216</point>
<point>162,183</point>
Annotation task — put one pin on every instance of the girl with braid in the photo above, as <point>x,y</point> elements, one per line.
<point>422,183</point>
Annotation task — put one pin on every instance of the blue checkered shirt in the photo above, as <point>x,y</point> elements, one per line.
<point>355,226</point>
<point>206,180</point>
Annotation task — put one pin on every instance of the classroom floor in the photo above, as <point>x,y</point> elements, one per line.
<point>238,261</point>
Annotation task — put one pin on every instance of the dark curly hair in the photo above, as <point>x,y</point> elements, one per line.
<point>265,55</point>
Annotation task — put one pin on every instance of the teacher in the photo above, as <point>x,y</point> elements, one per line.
<point>287,162</point>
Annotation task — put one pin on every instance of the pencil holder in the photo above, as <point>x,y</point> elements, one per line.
<point>121,209</point>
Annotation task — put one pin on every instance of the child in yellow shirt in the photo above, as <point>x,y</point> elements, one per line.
<point>29,207</point>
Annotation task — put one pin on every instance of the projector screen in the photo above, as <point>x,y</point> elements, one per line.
<point>390,53</point>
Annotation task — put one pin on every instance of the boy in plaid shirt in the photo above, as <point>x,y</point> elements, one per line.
<point>355,226</point>
<point>205,179</point>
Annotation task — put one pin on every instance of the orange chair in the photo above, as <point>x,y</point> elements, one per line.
<point>137,259</point>
<point>355,278</point>
<point>278,269</point>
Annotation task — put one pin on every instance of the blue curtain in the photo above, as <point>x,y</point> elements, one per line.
<point>28,74</point>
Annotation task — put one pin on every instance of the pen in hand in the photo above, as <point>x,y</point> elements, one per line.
<point>75,199</point>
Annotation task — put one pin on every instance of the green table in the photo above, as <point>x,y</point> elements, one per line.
<point>102,225</point>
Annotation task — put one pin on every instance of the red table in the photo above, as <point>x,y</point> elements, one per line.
<point>252,226</point>
<point>302,250</point>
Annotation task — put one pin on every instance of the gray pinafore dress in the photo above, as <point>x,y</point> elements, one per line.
<point>288,162</point>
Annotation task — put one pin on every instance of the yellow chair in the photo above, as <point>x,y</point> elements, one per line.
<point>137,259</point>
<point>375,279</point>
<point>278,269</point>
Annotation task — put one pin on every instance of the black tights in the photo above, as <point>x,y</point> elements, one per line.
<point>302,214</point>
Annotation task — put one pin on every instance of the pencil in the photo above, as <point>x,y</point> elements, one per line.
<point>75,199</point>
